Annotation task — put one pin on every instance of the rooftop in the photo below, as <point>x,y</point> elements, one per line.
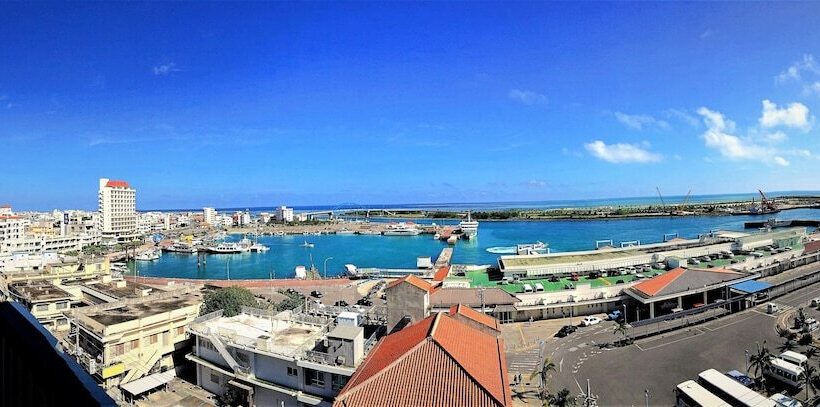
<point>681,280</point>
<point>281,334</point>
<point>133,309</point>
<point>39,291</point>
<point>438,361</point>
<point>449,296</point>
<point>424,285</point>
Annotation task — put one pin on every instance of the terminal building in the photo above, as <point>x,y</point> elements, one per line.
<point>283,359</point>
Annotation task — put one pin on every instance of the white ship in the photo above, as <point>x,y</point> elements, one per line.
<point>226,248</point>
<point>469,227</point>
<point>149,255</point>
<point>259,248</point>
<point>180,247</point>
<point>401,229</point>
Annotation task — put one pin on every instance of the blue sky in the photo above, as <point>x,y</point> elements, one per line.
<point>257,104</point>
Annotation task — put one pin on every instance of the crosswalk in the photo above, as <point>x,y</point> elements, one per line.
<point>524,362</point>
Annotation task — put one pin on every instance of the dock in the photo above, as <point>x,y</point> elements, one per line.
<point>442,262</point>
<point>444,258</point>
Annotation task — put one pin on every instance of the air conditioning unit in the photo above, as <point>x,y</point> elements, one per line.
<point>340,360</point>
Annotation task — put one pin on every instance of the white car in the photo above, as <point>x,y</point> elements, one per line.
<point>590,320</point>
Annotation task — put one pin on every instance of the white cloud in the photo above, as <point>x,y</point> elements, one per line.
<point>165,69</point>
<point>776,137</point>
<point>640,121</point>
<point>797,69</point>
<point>528,97</point>
<point>621,153</point>
<point>812,89</point>
<point>683,116</point>
<point>718,136</point>
<point>795,115</point>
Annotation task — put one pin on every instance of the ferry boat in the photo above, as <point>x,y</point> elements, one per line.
<point>469,227</point>
<point>226,248</point>
<point>149,255</point>
<point>181,248</point>
<point>401,229</point>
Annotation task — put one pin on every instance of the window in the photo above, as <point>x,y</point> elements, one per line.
<point>214,378</point>
<point>243,358</point>
<point>118,349</point>
<point>153,339</point>
<point>179,330</point>
<point>314,378</point>
<point>337,381</point>
<point>292,371</point>
<point>41,307</point>
<point>62,305</point>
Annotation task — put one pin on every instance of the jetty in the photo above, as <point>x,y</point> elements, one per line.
<point>774,223</point>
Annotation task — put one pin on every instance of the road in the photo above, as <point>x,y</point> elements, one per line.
<point>618,376</point>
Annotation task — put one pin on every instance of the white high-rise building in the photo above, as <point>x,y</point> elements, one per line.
<point>117,210</point>
<point>284,214</point>
<point>209,216</point>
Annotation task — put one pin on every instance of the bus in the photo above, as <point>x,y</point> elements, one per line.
<point>691,394</point>
<point>785,372</point>
<point>791,356</point>
<point>731,391</point>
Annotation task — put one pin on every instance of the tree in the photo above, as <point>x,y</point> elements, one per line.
<point>231,397</point>
<point>810,352</point>
<point>623,330</point>
<point>229,299</point>
<point>806,339</point>
<point>293,301</point>
<point>800,319</point>
<point>561,399</point>
<point>759,362</point>
<point>546,367</point>
<point>809,378</point>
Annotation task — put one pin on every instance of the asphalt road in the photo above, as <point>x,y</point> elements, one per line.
<point>618,376</point>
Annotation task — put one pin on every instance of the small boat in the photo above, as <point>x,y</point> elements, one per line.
<point>149,255</point>
<point>259,248</point>
<point>402,229</point>
<point>308,245</point>
<point>181,248</point>
<point>452,239</point>
<point>345,232</point>
<point>437,236</point>
<point>351,271</point>
<point>279,233</point>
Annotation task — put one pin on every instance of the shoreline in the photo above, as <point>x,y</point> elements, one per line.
<point>246,283</point>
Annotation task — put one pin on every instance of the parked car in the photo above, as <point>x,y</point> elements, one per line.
<point>364,301</point>
<point>316,293</point>
<point>566,330</point>
<point>554,279</point>
<point>341,303</point>
<point>619,282</point>
<point>615,315</point>
<point>574,277</point>
<point>590,320</point>
<point>815,302</point>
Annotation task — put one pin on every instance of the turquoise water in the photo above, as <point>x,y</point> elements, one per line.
<point>286,252</point>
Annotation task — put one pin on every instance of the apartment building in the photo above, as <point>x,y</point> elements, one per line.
<point>209,216</point>
<point>126,340</point>
<point>47,302</point>
<point>286,359</point>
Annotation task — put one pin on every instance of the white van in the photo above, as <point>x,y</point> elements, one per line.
<point>811,325</point>
<point>772,308</point>
<point>527,288</point>
<point>539,287</point>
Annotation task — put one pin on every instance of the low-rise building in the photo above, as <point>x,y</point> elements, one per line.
<point>284,214</point>
<point>408,300</point>
<point>285,359</point>
<point>123,341</point>
<point>47,302</point>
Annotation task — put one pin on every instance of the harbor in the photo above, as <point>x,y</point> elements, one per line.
<point>331,252</point>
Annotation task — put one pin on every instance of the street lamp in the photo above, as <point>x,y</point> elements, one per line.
<point>329,258</point>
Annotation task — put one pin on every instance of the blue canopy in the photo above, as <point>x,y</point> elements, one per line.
<point>751,286</point>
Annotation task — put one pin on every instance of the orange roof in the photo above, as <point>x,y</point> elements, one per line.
<point>116,184</point>
<point>441,273</point>
<point>655,284</point>
<point>424,285</point>
<point>438,361</point>
<point>476,316</point>
<point>5,206</point>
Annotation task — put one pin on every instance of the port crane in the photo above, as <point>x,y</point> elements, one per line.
<point>663,204</point>
<point>766,203</point>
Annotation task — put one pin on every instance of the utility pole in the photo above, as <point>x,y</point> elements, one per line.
<point>481,294</point>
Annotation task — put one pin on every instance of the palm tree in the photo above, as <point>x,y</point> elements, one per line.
<point>546,367</point>
<point>621,329</point>
<point>759,362</point>
<point>809,378</point>
<point>800,319</point>
<point>788,345</point>
<point>561,399</point>
<point>810,352</point>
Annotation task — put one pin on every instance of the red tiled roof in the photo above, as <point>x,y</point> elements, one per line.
<point>441,273</point>
<point>424,285</point>
<point>5,206</point>
<point>812,247</point>
<point>116,184</point>
<point>474,315</point>
<point>655,284</point>
<point>438,361</point>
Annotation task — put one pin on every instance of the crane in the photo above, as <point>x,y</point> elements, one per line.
<point>663,204</point>
<point>686,199</point>
<point>765,202</point>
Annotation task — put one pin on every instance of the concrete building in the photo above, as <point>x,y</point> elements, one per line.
<point>117,210</point>
<point>408,300</point>
<point>286,359</point>
<point>123,341</point>
<point>209,216</point>
<point>495,301</point>
<point>47,302</point>
<point>284,214</point>
<point>442,360</point>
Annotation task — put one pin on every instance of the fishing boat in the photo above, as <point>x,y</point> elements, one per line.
<point>452,239</point>
<point>402,229</point>
<point>180,247</point>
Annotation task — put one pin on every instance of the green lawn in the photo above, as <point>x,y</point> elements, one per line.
<point>482,279</point>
